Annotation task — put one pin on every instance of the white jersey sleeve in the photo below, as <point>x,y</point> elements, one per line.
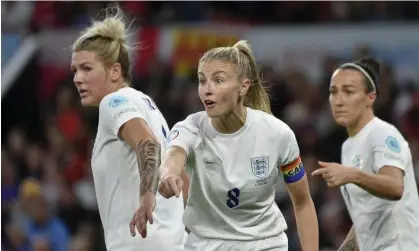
<point>289,147</point>
<point>185,134</point>
<point>292,168</point>
<point>389,149</point>
<point>116,109</point>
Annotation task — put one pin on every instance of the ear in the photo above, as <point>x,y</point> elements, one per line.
<point>371,99</point>
<point>115,72</point>
<point>244,87</point>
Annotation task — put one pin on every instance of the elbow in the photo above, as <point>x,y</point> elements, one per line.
<point>399,192</point>
<point>396,193</point>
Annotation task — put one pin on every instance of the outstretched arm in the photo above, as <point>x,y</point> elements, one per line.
<point>174,161</point>
<point>171,171</point>
<point>386,184</point>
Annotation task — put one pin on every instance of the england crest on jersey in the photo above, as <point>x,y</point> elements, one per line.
<point>260,166</point>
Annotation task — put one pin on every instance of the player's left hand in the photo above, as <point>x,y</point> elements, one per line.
<point>335,174</point>
<point>143,214</point>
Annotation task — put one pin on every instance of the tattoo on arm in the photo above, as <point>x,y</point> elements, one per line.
<point>351,245</point>
<point>148,157</point>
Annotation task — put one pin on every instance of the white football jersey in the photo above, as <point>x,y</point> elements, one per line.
<point>382,224</point>
<point>117,179</point>
<point>232,176</point>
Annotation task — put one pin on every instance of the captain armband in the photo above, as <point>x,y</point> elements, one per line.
<point>294,171</point>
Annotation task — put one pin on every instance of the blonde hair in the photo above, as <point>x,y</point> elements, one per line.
<point>241,55</point>
<point>107,38</point>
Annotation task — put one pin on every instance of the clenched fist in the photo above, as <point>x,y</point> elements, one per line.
<point>170,185</point>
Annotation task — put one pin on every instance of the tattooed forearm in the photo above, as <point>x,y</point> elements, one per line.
<point>148,157</point>
<point>351,245</point>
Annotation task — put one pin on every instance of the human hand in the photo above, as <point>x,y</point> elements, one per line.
<point>143,214</point>
<point>170,185</point>
<point>335,174</point>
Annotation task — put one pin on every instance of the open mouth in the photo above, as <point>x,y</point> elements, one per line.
<point>209,103</point>
<point>83,93</point>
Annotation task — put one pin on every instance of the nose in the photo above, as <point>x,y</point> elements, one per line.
<point>208,89</point>
<point>77,79</point>
<point>337,100</point>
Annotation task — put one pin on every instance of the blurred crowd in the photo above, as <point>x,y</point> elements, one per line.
<point>48,198</point>
<point>59,14</point>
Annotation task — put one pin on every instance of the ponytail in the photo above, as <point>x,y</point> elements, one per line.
<point>257,96</point>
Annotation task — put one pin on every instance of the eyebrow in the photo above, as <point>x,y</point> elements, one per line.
<point>214,73</point>
<point>219,71</point>
<point>343,86</point>
<point>80,65</point>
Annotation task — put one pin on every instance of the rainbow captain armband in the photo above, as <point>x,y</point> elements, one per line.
<point>293,171</point>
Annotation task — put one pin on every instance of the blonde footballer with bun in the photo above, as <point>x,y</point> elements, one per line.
<point>129,143</point>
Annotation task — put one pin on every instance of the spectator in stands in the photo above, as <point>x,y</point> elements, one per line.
<point>16,142</point>
<point>42,224</point>
<point>16,238</point>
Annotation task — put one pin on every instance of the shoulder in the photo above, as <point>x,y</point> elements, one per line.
<point>120,97</point>
<point>194,120</point>
<point>272,125</point>
<point>386,134</point>
<point>124,99</point>
<point>345,144</point>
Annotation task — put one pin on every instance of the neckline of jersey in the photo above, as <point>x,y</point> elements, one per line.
<point>236,133</point>
<point>364,129</point>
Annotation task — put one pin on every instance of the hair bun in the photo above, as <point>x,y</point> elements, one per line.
<point>371,65</point>
<point>112,26</point>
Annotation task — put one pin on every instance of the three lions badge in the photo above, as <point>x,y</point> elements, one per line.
<point>260,166</point>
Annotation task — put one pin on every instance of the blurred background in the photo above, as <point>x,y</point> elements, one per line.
<point>48,198</point>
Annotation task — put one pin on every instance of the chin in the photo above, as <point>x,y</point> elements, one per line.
<point>341,121</point>
<point>88,101</point>
<point>212,113</point>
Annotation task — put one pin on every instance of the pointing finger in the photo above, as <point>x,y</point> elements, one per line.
<point>174,187</point>
<point>323,164</point>
<point>319,171</point>
<point>179,183</point>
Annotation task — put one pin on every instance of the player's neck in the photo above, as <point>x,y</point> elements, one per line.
<point>360,124</point>
<point>118,86</point>
<point>231,122</point>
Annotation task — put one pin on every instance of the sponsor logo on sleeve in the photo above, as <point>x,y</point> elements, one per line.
<point>124,111</point>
